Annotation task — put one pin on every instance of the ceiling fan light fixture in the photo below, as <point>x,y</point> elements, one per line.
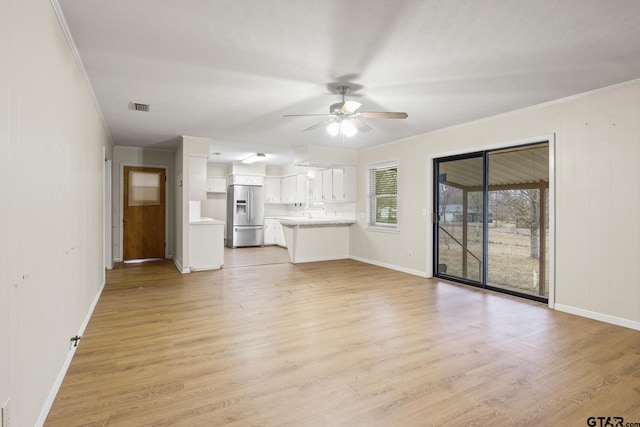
<point>347,128</point>
<point>333,128</point>
<point>344,118</point>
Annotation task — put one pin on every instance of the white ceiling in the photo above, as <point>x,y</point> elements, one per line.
<point>229,70</point>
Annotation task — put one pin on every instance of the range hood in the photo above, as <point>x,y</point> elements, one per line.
<point>324,157</point>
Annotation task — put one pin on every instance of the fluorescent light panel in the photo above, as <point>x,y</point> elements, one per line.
<point>255,158</point>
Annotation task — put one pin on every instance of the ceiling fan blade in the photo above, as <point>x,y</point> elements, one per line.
<point>317,125</point>
<point>382,115</point>
<point>307,115</point>
<point>360,125</point>
<point>350,106</point>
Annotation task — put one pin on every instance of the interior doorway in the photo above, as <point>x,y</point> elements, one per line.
<point>144,205</point>
<point>492,222</point>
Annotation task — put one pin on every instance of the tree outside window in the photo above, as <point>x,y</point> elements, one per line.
<point>383,195</point>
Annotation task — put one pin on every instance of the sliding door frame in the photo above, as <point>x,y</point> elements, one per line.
<point>432,194</point>
<point>436,249</point>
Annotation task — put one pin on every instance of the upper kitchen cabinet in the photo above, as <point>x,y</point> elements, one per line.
<point>216,184</point>
<point>329,185</point>
<point>293,189</point>
<point>317,187</point>
<point>247,180</point>
<point>272,193</point>
<point>301,188</point>
<point>337,184</point>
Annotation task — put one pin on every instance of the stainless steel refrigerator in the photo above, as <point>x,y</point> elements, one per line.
<point>245,216</point>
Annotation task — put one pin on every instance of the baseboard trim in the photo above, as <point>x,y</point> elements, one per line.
<point>391,266</point>
<point>317,259</point>
<point>65,366</point>
<point>179,266</point>
<point>598,316</point>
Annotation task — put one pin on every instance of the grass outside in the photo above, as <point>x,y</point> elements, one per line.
<point>510,265</point>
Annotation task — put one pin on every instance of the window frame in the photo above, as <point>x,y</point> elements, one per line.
<point>371,222</point>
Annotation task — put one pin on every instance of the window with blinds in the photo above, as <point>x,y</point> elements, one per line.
<point>383,195</point>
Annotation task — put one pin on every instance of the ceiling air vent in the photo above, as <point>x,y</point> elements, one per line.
<point>138,106</point>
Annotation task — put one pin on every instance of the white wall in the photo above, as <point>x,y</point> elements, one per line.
<point>189,146</point>
<point>51,166</point>
<point>135,156</point>
<point>597,138</point>
<point>6,16</point>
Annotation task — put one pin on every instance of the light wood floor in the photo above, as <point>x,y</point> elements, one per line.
<point>337,343</point>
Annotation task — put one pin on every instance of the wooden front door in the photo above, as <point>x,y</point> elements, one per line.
<point>144,213</point>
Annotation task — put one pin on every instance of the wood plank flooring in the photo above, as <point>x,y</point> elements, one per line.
<point>337,343</point>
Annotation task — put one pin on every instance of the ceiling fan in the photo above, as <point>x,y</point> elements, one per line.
<point>345,119</point>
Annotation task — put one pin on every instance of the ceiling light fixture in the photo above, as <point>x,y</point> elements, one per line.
<point>347,128</point>
<point>255,158</point>
<point>342,126</point>
<point>333,128</point>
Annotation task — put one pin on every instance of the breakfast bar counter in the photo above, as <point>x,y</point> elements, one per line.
<point>316,239</point>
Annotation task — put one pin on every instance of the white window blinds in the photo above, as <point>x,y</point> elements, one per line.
<point>383,195</point>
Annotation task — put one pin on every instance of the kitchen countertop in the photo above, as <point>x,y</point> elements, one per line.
<point>312,222</point>
<point>204,221</point>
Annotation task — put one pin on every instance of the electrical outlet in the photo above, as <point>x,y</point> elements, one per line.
<point>6,413</point>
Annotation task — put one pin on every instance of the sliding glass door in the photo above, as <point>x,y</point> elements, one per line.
<point>460,217</point>
<point>518,232</point>
<point>492,216</point>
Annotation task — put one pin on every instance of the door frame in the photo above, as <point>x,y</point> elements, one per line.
<point>121,206</point>
<point>430,185</point>
<point>107,220</point>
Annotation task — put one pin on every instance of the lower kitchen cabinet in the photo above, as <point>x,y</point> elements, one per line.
<point>206,245</point>
<point>273,234</point>
<point>269,232</point>
<point>279,235</point>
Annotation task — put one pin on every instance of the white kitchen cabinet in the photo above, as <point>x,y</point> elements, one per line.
<point>317,187</point>
<point>247,180</point>
<point>293,189</point>
<point>216,184</point>
<point>349,183</point>
<point>284,190</point>
<point>301,188</point>
<point>327,185</point>
<point>333,185</point>
<point>269,232</point>
<point>338,185</point>
<point>279,235</point>
<point>272,191</point>
<point>206,245</point>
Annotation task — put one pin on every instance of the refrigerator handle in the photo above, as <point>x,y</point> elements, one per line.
<point>249,207</point>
